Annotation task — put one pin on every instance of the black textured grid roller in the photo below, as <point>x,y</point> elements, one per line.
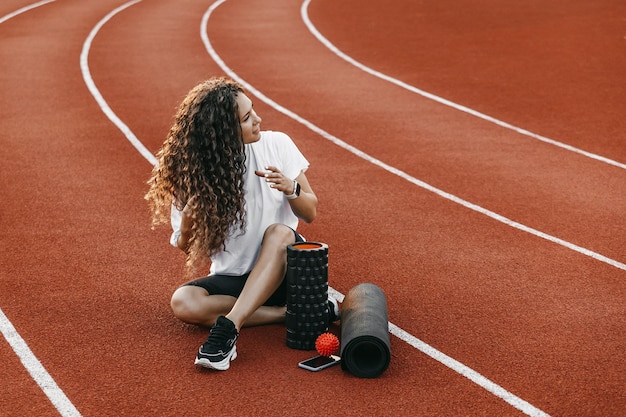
<point>365,349</point>
<point>307,294</point>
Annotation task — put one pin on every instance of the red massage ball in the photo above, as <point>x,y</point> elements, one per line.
<point>327,344</point>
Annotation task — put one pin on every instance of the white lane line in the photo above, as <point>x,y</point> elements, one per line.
<point>390,168</point>
<point>34,367</point>
<point>457,366</point>
<point>84,67</point>
<point>340,54</point>
<point>467,372</point>
<point>453,364</point>
<point>36,370</point>
<point>23,9</point>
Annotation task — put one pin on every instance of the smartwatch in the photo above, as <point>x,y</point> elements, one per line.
<point>296,191</point>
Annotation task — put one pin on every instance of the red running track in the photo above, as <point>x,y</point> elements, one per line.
<point>86,283</point>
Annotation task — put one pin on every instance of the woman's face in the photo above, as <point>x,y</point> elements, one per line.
<point>248,119</point>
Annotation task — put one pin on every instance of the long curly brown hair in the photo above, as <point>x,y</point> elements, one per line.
<point>202,163</point>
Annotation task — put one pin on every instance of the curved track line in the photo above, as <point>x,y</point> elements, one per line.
<point>84,67</point>
<point>389,168</point>
<point>336,51</point>
<point>36,370</point>
<point>23,9</point>
<point>441,357</point>
<point>38,373</point>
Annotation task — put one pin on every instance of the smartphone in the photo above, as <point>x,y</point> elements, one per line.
<point>318,363</point>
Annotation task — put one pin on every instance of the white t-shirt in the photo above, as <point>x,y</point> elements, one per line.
<point>264,205</point>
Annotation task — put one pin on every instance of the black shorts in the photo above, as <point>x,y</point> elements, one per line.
<point>233,285</point>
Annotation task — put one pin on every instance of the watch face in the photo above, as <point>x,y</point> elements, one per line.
<point>297,189</point>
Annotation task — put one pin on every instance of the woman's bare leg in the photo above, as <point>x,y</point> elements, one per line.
<point>266,276</point>
<point>194,305</point>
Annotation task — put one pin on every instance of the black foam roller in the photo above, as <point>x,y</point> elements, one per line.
<point>307,293</point>
<point>365,347</point>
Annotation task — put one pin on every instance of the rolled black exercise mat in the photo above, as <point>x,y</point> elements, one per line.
<point>365,348</point>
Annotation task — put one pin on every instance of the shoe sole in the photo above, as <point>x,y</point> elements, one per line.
<point>222,365</point>
<point>334,306</point>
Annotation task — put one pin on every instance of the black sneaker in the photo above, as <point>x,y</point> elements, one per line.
<point>333,310</point>
<point>219,348</point>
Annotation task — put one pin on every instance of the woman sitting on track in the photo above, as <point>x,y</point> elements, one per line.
<point>235,194</point>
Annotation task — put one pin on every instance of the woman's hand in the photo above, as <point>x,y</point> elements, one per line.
<point>304,206</point>
<point>277,180</point>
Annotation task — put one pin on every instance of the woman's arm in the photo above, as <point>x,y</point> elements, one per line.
<point>305,205</point>
<point>185,229</point>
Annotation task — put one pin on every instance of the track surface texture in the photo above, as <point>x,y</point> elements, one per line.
<point>469,159</point>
